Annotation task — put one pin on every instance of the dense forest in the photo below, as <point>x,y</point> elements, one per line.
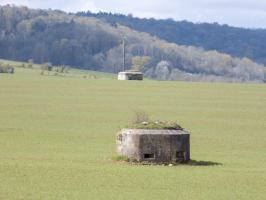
<point>238,42</point>
<point>90,43</point>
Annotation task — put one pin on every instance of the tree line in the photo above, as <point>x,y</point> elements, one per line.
<point>238,42</point>
<point>52,36</point>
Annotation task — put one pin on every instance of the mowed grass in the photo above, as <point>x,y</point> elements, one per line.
<point>57,138</point>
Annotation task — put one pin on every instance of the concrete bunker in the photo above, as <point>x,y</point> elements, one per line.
<point>159,146</point>
<point>130,75</point>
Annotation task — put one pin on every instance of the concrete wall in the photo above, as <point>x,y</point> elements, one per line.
<point>130,76</point>
<point>128,145</point>
<point>154,145</point>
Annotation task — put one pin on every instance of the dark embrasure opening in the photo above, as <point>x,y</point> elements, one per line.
<point>149,156</point>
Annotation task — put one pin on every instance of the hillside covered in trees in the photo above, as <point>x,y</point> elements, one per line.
<point>238,42</point>
<point>90,43</point>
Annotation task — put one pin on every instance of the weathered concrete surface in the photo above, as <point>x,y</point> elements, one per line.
<point>130,75</point>
<point>154,145</point>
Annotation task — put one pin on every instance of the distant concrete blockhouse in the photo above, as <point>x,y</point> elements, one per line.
<point>159,146</point>
<point>130,75</point>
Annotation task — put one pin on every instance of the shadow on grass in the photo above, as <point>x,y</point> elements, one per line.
<point>189,163</point>
<point>202,163</point>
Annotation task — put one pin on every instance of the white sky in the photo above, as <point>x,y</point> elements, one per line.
<point>242,13</point>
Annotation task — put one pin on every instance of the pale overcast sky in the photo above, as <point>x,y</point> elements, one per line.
<point>242,13</point>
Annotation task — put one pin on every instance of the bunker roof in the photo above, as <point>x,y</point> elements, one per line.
<point>155,132</point>
<point>131,72</point>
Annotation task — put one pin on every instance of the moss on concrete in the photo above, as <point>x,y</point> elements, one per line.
<point>156,125</point>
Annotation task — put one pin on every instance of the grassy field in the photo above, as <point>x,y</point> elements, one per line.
<point>57,138</point>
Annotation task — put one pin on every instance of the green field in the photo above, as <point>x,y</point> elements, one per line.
<point>57,138</point>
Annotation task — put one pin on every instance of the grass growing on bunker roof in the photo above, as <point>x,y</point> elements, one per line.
<point>156,125</point>
<point>141,120</point>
